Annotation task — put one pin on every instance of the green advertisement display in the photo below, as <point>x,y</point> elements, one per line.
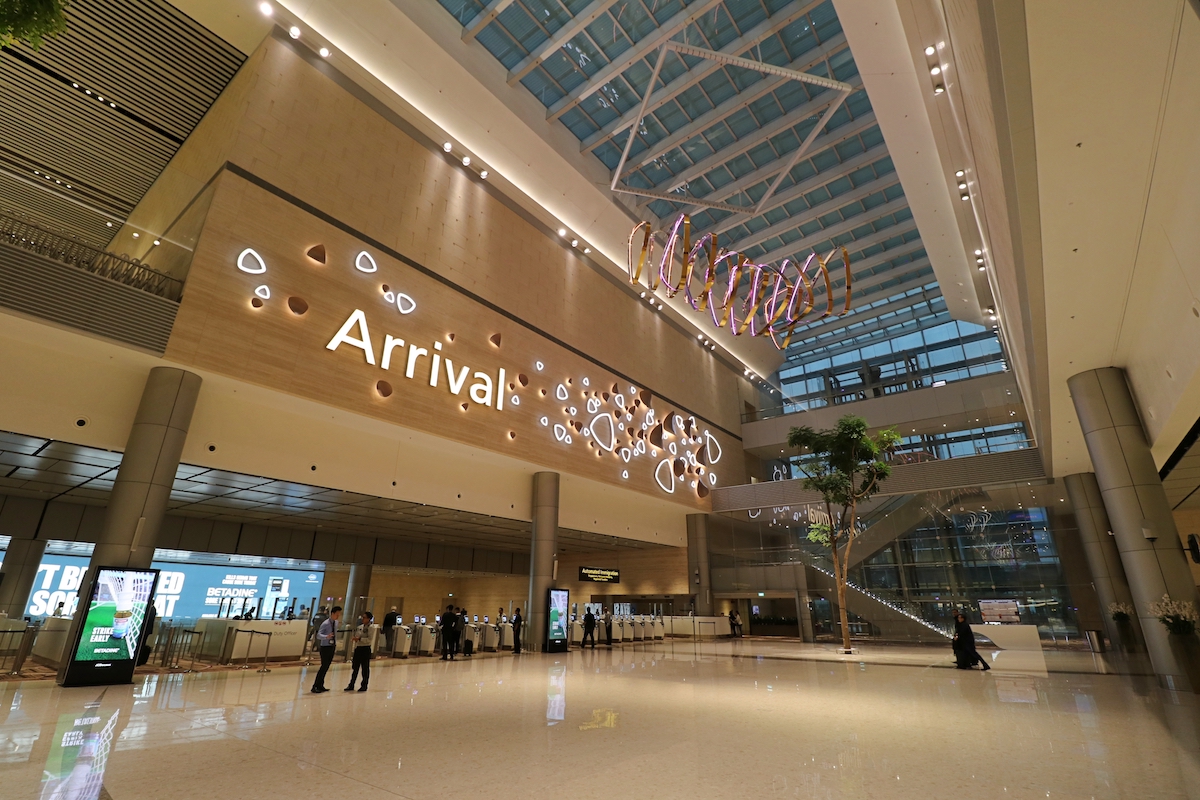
<point>556,629</point>
<point>106,646</point>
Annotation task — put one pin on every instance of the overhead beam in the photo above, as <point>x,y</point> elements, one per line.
<point>843,227</point>
<point>821,209</point>
<point>807,185</point>
<point>863,313</point>
<point>559,38</point>
<point>767,171</point>
<point>640,50</point>
<point>484,18</point>
<point>874,327</point>
<point>764,30</point>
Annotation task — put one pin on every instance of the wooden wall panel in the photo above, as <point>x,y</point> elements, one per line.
<point>489,390</point>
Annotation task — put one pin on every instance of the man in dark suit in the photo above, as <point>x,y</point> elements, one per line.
<point>390,620</point>
<point>449,637</point>
<point>589,629</point>
<point>516,623</point>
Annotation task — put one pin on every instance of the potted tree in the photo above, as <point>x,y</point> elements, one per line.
<point>31,21</point>
<point>1180,617</point>
<point>846,466</point>
<point>1122,614</point>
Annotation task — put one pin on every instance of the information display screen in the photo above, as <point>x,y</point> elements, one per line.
<point>599,575</point>
<point>556,621</point>
<point>105,650</point>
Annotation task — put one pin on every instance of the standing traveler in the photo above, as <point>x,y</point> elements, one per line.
<point>965,654</point>
<point>589,629</point>
<point>516,623</point>
<point>608,624</point>
<point>460,627</point>
<point>390,620</point>
<point>362,652</point>
<point>448,621</point>
<point>327,646</point>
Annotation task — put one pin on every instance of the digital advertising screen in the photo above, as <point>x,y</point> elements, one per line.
<point>111,631</point>
<point>556,621</point>
<point>184,591</point>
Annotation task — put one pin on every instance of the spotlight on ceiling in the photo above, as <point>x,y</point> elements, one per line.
<point>265,8</point>
<point>587,250</point>
<point>574,243</point>
<point>324,51</point>
<point>978,252</point>
<point>935,71</point>
<point>939,89</point>
<point>294,32</point>
<point>447,147</point>
<point>483,173</point>
<point>965,197</point>
<point>466,161</point>
<point>562,231</point>
<point>929,50</point>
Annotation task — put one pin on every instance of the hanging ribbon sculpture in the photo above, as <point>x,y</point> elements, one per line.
<point>776,300</point>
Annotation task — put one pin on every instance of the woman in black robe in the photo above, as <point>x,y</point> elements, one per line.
<point>965,654</point>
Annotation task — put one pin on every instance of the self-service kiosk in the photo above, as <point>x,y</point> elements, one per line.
<point>402,636</point>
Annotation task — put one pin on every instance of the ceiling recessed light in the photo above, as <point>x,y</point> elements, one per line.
<point>265,8</point>
<point>113,105</point>
<point>108,224</point>
<point>929,50</point>
<point>136,235</point>
<point>466,161</point>
<point>965,197</point>
<point>574,243</point>
<point>562,231</point>
<point>324,51</point>
<point>935,71</point>
<point>978,252</point>
<point>959,174</point>
<point>979,261</point>
<point>157,242</point>
<point>587,250</point>
<point>294,32</point>
<point>982,268</point>
<point>939,89</point>
<point>447,147</point>
<point>962,184</point>
<point>483,174</point>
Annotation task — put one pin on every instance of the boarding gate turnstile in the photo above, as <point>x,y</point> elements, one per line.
<point>424,640</point>
<point>491,638</point>
<point>401,641</point>
<point>506,636</point>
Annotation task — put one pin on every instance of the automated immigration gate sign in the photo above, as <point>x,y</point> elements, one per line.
<point>599,575</point>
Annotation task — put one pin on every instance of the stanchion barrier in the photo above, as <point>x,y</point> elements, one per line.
<point>10,646</point>
<point>249,646</point>
<point>166,638</point>
<point>197,649</point>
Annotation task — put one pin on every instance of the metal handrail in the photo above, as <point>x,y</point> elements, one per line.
<point>20,232</point>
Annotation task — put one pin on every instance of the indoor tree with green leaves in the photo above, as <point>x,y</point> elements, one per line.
<point>846,466</point>
<point>31,21</point>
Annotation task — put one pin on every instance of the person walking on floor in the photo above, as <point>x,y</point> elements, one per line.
<point>460,629</point>
<point>589,629</point>
<point>965,654</point>
<point>362,652</point>
<point>516,623</point>
<point>326,646</point>
<point>608,624</point>
<point>447,622</point>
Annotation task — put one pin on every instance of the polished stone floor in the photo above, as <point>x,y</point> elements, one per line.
<point>717,720</point>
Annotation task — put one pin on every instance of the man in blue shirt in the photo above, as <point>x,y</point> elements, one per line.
<point>326,645</point>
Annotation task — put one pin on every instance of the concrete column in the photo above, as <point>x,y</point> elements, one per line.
<point>699,575</point>
<point>803,612</point>
<point>17,576</point>
<point>358,586</point>
<point>541,561</point>
<point>143,485</point>
<point>1100,549</point>
<point>1137,507</point>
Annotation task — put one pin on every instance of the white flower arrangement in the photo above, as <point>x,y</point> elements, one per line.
<point>1180,616</point>
<point>1120,611</point>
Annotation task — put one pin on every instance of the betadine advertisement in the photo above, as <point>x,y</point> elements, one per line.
<point>188,591</point>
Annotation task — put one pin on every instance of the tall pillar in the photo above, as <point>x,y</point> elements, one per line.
<point>17,576</point>
<point>541,561</point>
<point>699,575</point>
<point>1100,549</point>
<point>358,588</point>
<point>1137,507</point>
<point>803,611</point>
<point>147,473</point>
